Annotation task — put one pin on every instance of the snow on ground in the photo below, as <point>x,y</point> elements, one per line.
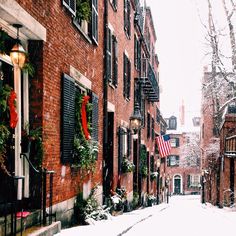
<point>184,215</point>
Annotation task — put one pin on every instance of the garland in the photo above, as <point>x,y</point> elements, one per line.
<point>84,117</point>
<point>12,108</point>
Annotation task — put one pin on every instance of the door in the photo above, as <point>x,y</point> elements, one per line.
<point>177,185</point>
<point>108,167</point>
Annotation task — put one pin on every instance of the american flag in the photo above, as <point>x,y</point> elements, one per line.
<point>163,143</point>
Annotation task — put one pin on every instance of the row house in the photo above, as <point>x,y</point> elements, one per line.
<point>66,51</point>
<point>132,85</point>
<point>66,114</point>
<point>183,162</point>
<point>217,126</point>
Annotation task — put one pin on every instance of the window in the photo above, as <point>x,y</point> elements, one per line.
<point>127,77</point>
<point>69,92</point>
<point>70,5</point>
<point>193,181</point>
<point>174,142</point>
<point>127,23</point>
<point>173,160</point>
<point>112,58</point>
<point>124,145</point>
<point>172,123</point>
<point>85,21</point>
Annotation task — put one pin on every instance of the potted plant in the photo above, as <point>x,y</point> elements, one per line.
<point>151,199</point>
<point>153,175</point>
<point>127,165</point>
<point>144,171</point>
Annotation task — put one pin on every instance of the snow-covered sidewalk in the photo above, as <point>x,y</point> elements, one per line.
<point>116,225</point>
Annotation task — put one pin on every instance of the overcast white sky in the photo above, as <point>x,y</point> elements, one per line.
<point>180,51</point>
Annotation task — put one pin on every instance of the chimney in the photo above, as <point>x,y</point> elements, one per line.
<point>182,114</point>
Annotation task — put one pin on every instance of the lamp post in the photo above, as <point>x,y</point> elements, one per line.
<point>158,163</point>
<point>18,54</point>
<point>167,183</point>
<point>203,186</point>
<point>136,119</point>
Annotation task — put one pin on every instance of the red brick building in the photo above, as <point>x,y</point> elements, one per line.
<point>108,55</point>
<point>67,54</point>
<point>183,163</point>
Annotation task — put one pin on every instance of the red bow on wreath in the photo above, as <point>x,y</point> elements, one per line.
<point>84,117</point>
<point>12,107</point>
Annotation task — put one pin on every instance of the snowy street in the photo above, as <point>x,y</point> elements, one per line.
<point>184,215</point>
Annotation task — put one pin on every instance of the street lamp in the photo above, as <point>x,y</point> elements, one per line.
<point>135,119</point>
<point>203,186</point>
<point>18,54</point>
<point>158,163</point>
<point>167,183</point>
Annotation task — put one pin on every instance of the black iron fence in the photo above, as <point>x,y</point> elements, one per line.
<point>14,209</point>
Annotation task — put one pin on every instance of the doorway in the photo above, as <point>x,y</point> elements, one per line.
<point>177,184</point>
<point>108,167</point>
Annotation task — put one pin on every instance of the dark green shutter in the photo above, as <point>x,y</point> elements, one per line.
<point>128,77</point>
<point>70,5</point>
<point>177,142</point>
<point>68,118</point>
<point>188,181</point>
<point>95,21</point>
<point>124,75</point>
<point>95,117</point>
<point>120,148</point>
<point>129,142</point>
<point>115,60</point>
<point>148,125</point>
<point>177,160</point>
<point>108,52</point>
<point>128,18</point>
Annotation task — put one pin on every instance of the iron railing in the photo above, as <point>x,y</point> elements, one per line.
<point>11,208</point>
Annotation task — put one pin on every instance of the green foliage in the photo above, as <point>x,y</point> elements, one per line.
<point>85,151</point>
<point>4,124</point>
<point>89,208</point>
<point>83,10</point>
<point>3,38</point>
<point>28,67</point>
<point>34,137</point>
<point>135,202</point>
<point>153,176</point>
<point>143,162</point>
<point>127,165</point>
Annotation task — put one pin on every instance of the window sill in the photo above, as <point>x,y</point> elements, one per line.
<point>76,24</point>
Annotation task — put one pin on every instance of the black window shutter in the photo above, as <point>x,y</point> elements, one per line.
<point>139,55</point>
<point>108,58</point>
<point>135,52</point>
<point>95,21</point>
<point>125,15</point>
<point>148,125</point>
<point>177,142</point>
<point>125,75</point>
<point>153,131</point>
<point>115,60</point>
<point>189,181</point>
<point>129,143</point>
<point>68,118</point>
<point>128,18</point>
<point>120,147</point>
<point>95,117</point>
<point>70,5</point>
<point>177,160</point>
<point>128,77</point>
<point>168,161</point>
